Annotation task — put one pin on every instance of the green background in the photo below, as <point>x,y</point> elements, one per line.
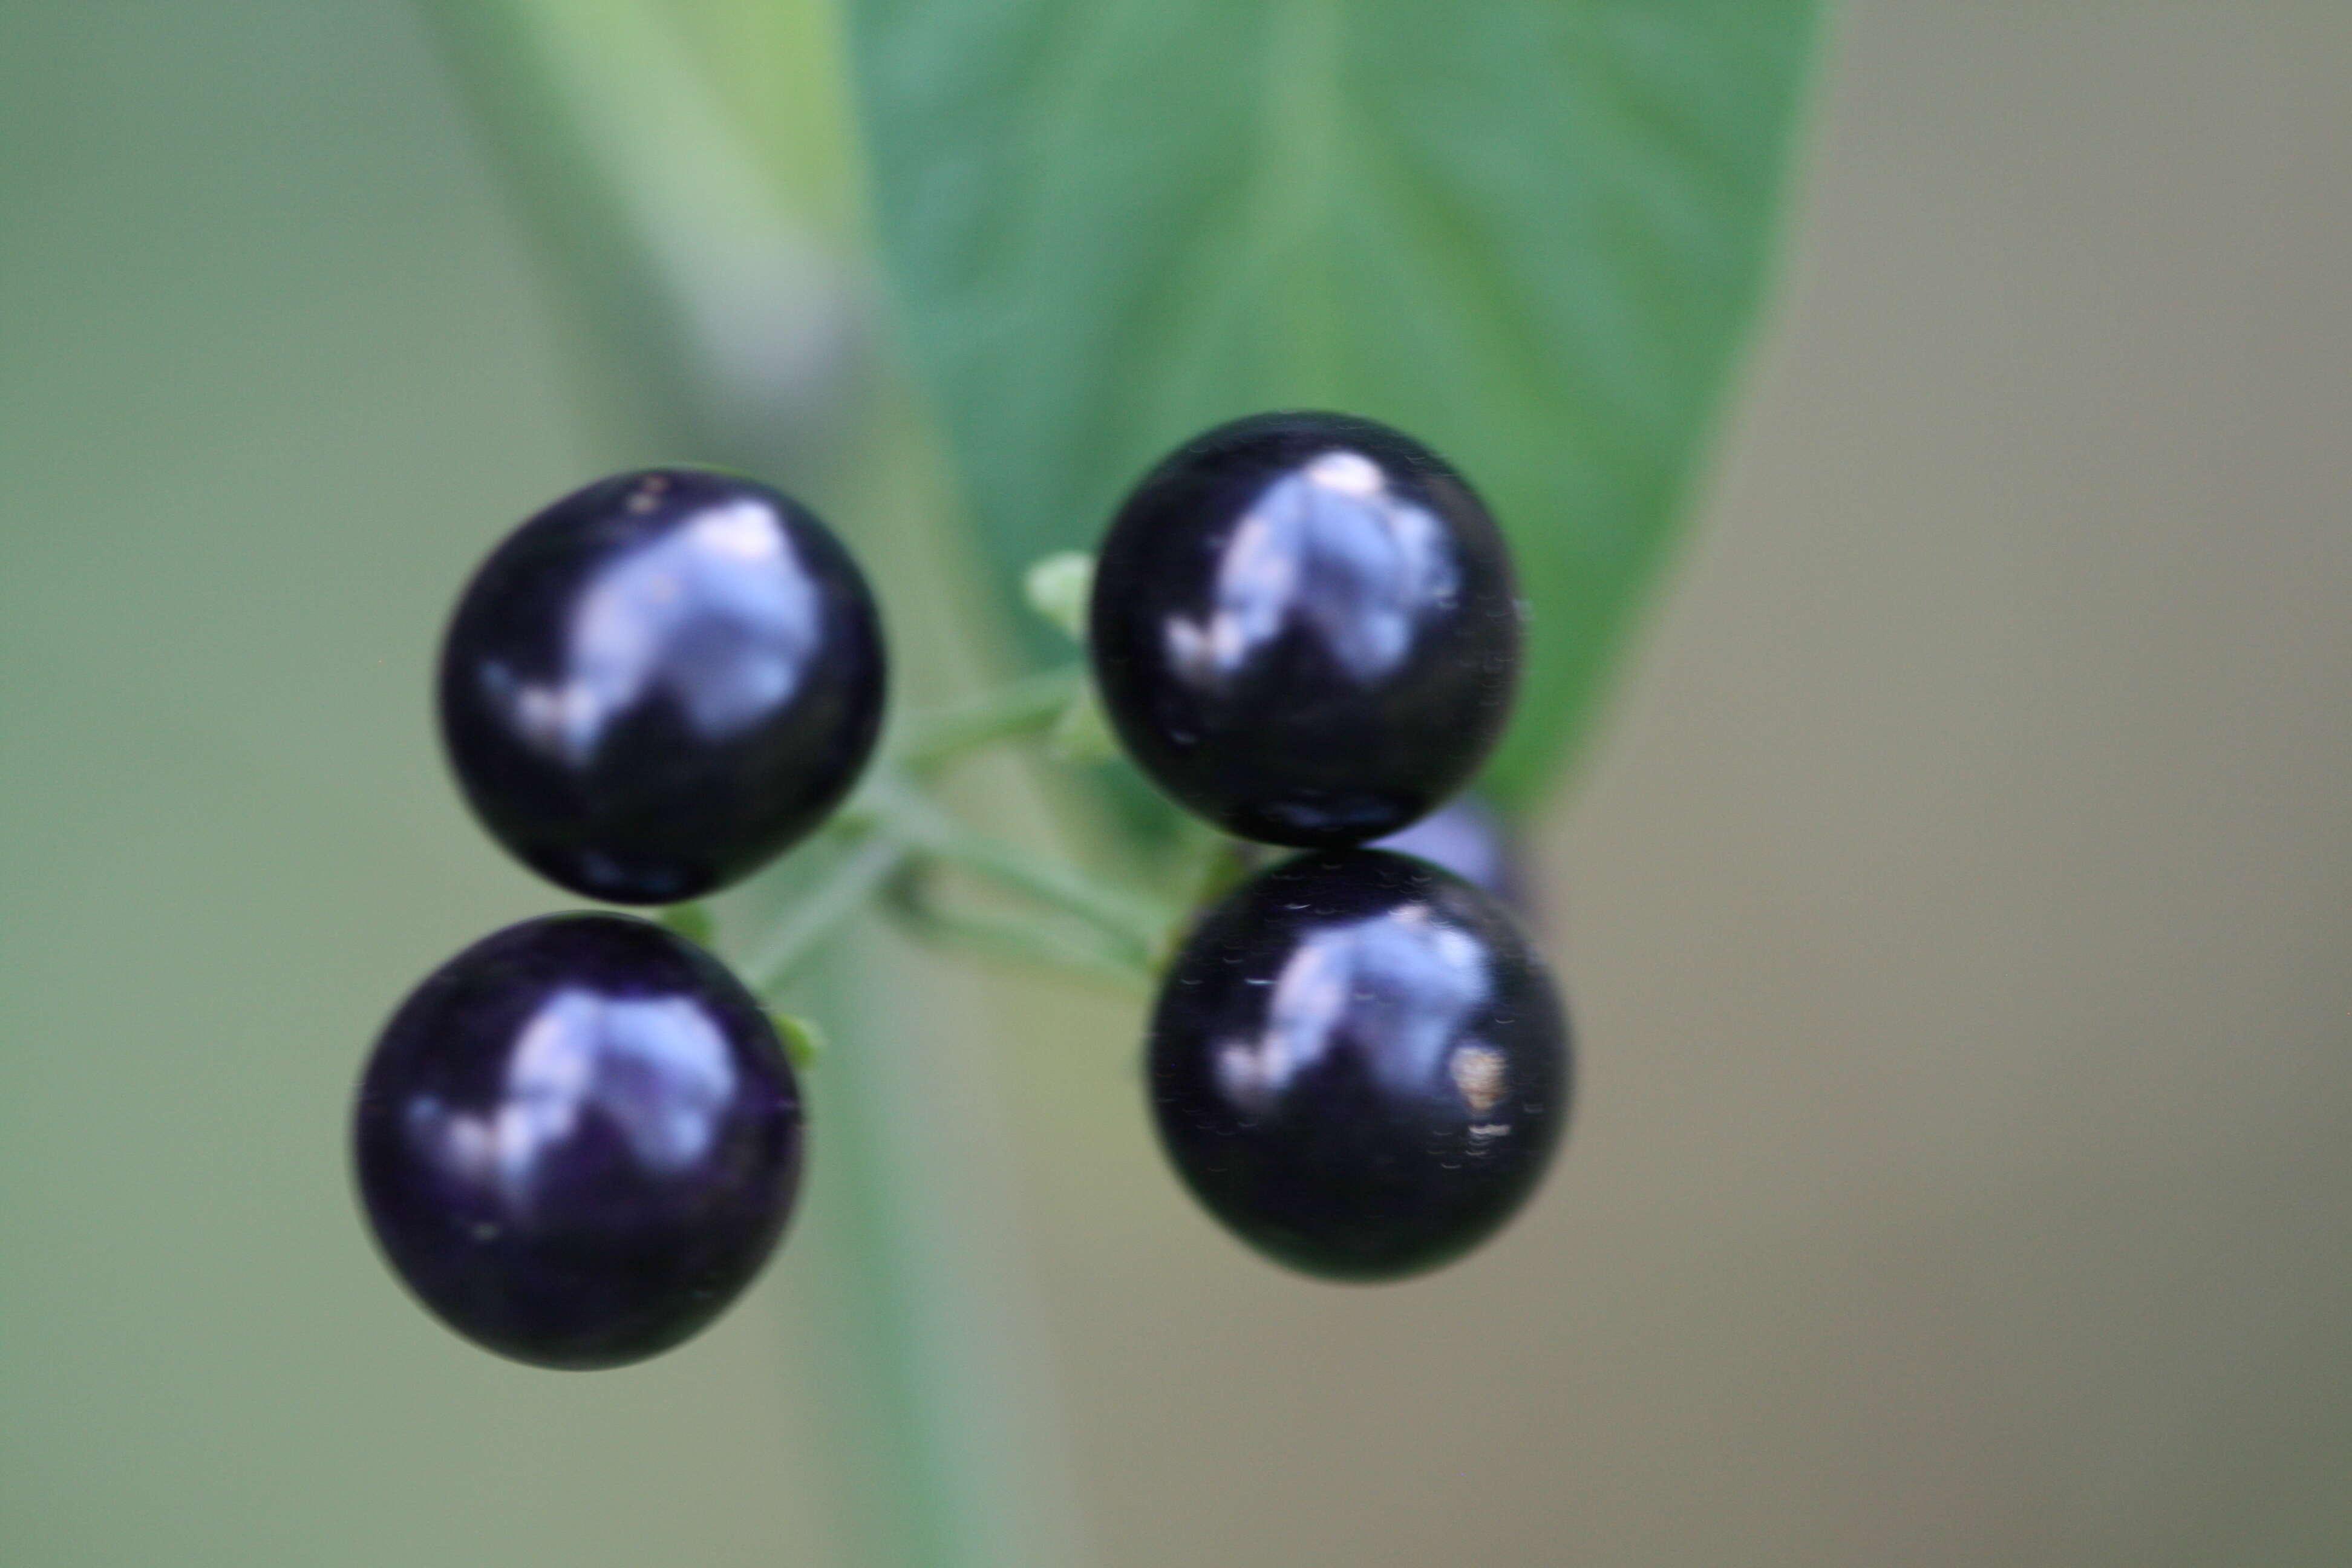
<point>1955,909</point>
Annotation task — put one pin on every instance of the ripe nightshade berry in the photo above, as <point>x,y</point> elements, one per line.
<point>578,1140</point>
<point>660,682</point>
<point>1359,1065</point>
<point>1304,628</point>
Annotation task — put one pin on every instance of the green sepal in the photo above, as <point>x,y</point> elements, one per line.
<point>1058,587</point>
<point>803,1041</point>
<point>691,922</point>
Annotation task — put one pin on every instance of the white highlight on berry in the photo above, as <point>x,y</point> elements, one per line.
<point>655,1069</point>
<point>1403,980</point>
<point>718,614</point>
<point>1329,543</point>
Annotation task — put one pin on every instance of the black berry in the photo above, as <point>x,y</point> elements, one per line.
<point>660,682</point>
<point>1304,628</point>
<point>578,1140</point>
<point>1357,1063</point>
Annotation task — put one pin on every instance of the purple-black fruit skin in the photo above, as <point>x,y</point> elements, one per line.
<point>660,682</point>
<point>578,1140</point>
<point>1304,628</point>
<point>1357,1063</point>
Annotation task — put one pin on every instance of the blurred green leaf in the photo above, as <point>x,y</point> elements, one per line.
<point>1530,232</point>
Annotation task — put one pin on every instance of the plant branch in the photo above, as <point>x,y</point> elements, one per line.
<point>866,865</point>
<point>1138,923</point>
<point>910,897</point>
<point>734,328</point>
<point>1033,704</point>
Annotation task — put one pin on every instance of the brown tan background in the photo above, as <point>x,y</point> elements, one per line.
<point>1956,911</point>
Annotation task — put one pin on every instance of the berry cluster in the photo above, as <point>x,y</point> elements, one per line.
<point>1304,628</point>
<point>580,1138</point>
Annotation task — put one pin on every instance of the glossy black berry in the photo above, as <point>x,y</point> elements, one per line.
<point>1305,629</point>
<point>660,682</point>
<point>1357,1063</point>
<point>578,1140</point>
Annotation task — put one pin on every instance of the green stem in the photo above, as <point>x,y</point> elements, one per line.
<point>1030,705</point>
<point>1138,923</point>
<point>726,328</point>
<point>920,908</point>
<point>823,910</point>
<point>892,826</point>
<point>946,1434</point>
<point>1136,927</point>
